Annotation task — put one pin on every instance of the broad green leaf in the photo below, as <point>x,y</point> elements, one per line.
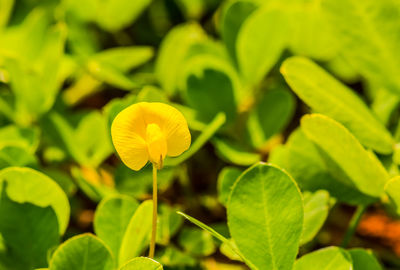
<point>226,179</point>
<point>326,95</point>
<point>207,133</point>
<point>369,31</point>
<point>235,153</point>
<point>211,91</point>
<point>113,15</point>
<point>196,241</point>
<point>25,185</point>
<point>316,209</point>
<point>137,234</point>
<point>364,170</point>
<point>392,190</point>
<point>270,116</point>
<point>265,217</point>
<point>111,219</point>
<point>84,251</point>
<point>28,230</point>
<point>364,259</point>
<point>173,51</point>
<point>232,18</point>
<point>331,258</point>
<point>303,160</point>
<point>142,263</point>
<point>260,42</point>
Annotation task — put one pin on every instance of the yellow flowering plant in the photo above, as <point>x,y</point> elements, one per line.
<point>146,132</point>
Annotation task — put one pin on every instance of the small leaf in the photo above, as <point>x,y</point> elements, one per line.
<point>364,170</point>
<point>137,234</point>
<point>265,217</point>
<point>316,209</point>
<point>111,219</point>
<point>256,52</point>
<point>197,242</point>
<point>85,252</point>
<point>392,190</point>
<point>364,260</point>
<point>226,179</point>
<point>235,153</point>
<point>142,263</point>
<point>331,258</point>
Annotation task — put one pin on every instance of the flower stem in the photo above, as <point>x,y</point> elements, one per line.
<point>154,225</point>
<point>353,225</point>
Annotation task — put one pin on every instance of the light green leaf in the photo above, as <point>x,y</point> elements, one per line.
<point>142,263</point>
<point>364,170</point>
<point>331,258</point>
<point>364,260</point>
<point>25,185</point>
<point>260,42</point>
<point>27,138</point>
<point>234,152</point>
<point>233,15</point>
<point>369,31</point>
<point>324,94</point>
<point>226,179</point>
<point>114,15</point>
<point>173,51</point>
<point>111,219</point>
<point>16,156</point>
<point>316,209</point>
<point>137,234</point>
<point>168,224</point>
<point>85,252</point>
<point>392,190</point>
<point>265,217</point>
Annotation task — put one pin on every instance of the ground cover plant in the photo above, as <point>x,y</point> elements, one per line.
<point>199,134</point>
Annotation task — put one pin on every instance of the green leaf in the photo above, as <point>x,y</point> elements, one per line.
<point>369,30</point>
<point>115,15</point>
<point>303,160</point>
<point>364,170</point>
<point>142,263</point>
<point>16,156</point>
<point>137,235</point>
<point>316,209</point>
<point>226,179</point>
<point>197,242</point>
<point>27,138</point>
<point>265,217</point>
<point>324,94</point>
<point>256,52</point>
<point>364,260</point>
<point>26,185</point>
<point>392,190</point>
<point>111,219</point>
<point>84,251</point>
<point>234,152</point>
<point>28,230</point>
<point>211,91</point>
<point>233,16</point>
<point>174,257</point>
<point>270,116</point>
<point>331,258</point>
<point>168,224</point>
<point>173,51</point>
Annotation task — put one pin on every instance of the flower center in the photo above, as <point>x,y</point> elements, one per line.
<point>156,144</point>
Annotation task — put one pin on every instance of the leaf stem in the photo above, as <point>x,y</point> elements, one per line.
<point>154,224</point>
<point>355,220</point>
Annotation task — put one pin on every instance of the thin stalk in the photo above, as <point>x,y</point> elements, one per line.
<point>154,225</point>
<point>355,220</point>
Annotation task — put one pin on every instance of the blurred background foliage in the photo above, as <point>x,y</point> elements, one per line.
<point>68,67</point>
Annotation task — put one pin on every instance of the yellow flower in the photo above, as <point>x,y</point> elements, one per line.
<point>149,132</point>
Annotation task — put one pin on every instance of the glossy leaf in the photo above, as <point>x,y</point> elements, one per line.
<point>326,95</point>
<point>331,258</point>
<point>265,209</point>
<point>364,170</point>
